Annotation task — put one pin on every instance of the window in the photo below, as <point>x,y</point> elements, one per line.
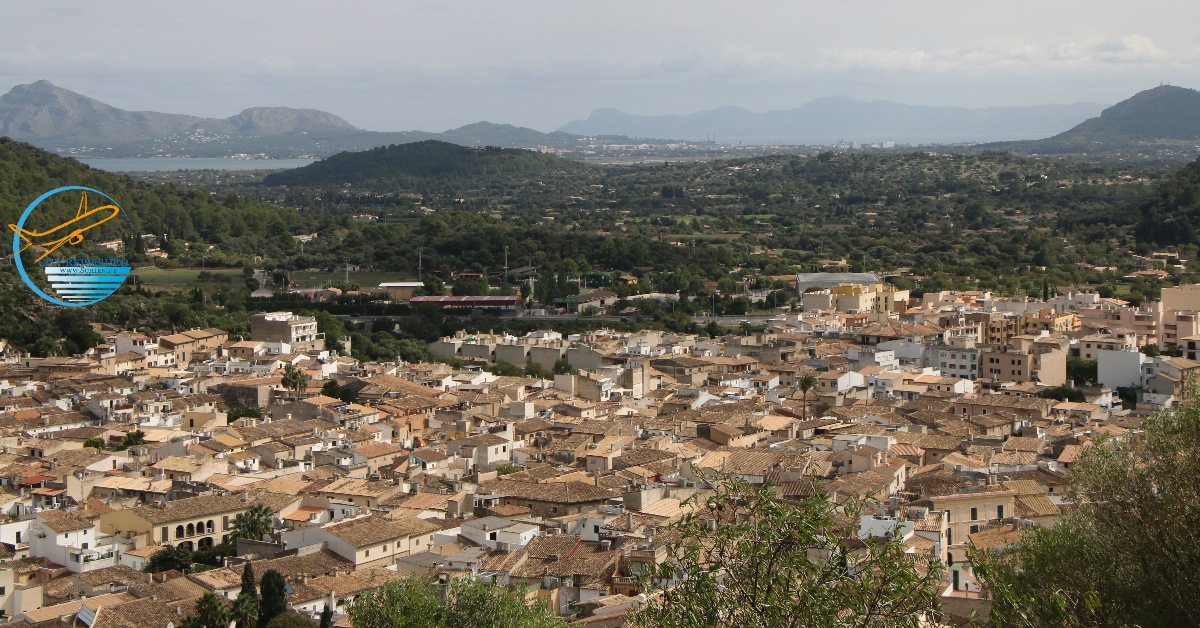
<point>85,546</point>
<point>1000,511</point>
<point>974,514</point>
<point>554,509</point>
<point>974,529</point>
<point>367,553</point>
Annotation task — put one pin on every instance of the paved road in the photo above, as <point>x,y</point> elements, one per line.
<point>724,321</point>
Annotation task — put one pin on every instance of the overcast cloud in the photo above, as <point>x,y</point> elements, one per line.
<point>391,66</point>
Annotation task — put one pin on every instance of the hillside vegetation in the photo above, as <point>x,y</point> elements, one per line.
<point>424,164</point>
<point>930,221</point>
<point>1159,123</point>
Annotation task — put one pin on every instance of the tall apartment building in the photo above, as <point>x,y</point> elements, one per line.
<point>298,331</point>
<point>995,327</point>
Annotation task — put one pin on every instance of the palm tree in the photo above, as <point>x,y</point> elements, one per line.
<point>294,379</point>
<point>807,382</point>
<point>245,611</point>
<point>210,613</point>
<point>256,522</point>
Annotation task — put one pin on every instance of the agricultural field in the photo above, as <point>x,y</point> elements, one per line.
<point>186,278</point>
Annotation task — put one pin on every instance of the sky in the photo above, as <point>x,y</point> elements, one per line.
<point>433,66</point>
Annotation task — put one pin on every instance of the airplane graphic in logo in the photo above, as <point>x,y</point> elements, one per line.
<point>77,226</point>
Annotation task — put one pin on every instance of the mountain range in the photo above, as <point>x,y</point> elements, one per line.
<point>45,112</point>
<point>61,120</point>
<point>58,119</point>
<point>834,119</point>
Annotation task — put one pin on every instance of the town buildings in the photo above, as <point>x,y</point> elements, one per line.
<point>934,411</point>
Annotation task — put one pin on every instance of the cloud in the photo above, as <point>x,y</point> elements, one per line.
<point>1127,49</point>
<point>1008,55</point>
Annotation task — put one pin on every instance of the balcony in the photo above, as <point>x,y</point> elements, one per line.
<point>653,555</point>
<point>90,556</point>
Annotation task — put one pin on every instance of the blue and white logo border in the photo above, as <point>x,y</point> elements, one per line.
<point>17,244</point>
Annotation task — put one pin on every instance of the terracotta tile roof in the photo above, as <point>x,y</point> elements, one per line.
<point>1072,453</point>
<point>48,613</point>
<point>119,574</point>
<point>180,588</point>
<point>928,441</point>
<point>1024,443</point>
<point>572,492</point>
<point>344,584</point>
<point>359,487</point>
<point>905,449</point>
<point>63,521</point>
<point>145,552</point>
<point>94,506</point>
<point>553,546</point>
<point>191,508</point>
<point>741,461</point>
<point>484,440</point>
<point>293,568</point>
<point>995,538</point>
<point>1019,458</point>
<point>372,530</point>
<point>145,613</point>
<point>374,449</point>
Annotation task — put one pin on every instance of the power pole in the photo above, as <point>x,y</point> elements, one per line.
<point>419,262</point>
<point>505,264</point>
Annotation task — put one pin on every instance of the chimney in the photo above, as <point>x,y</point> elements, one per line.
<point>629,521</point>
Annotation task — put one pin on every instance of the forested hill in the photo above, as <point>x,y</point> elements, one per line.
<point>421,164</point>
<point>1164,112</point>
<point>1172,214</point>
<point>237,224</point>
<point>1163,120</point>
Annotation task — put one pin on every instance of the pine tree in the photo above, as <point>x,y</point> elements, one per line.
<point>246,606</point>
<point>274,597</point>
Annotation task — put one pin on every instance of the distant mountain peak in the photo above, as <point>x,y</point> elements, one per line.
<point>1165,112</point>
<point>44,112</point>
